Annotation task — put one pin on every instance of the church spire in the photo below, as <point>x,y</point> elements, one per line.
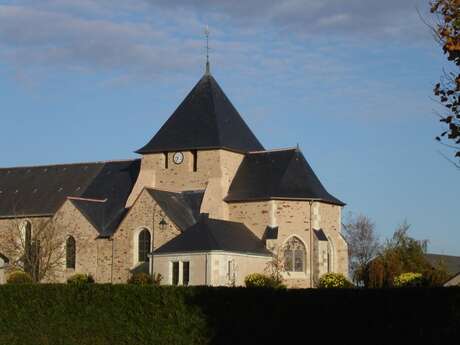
<point>206,32</point>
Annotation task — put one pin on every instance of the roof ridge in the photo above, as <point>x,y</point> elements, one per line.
<point>86,199</point>
<point>67,164</point>
<point>274,150</point>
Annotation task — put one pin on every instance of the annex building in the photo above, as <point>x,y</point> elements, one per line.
<point>204,204</point>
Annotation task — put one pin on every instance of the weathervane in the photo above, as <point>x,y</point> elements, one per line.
<point>206,32</point>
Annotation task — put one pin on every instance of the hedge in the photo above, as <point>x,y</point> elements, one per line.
<point>130,314</point>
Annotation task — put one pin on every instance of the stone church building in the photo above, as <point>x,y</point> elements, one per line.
<point>204,204</point>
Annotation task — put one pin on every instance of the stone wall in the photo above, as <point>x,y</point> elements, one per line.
<point>91,251</point>
<point>215,171</point>
<point>296,218</point>
<point>144,214</point>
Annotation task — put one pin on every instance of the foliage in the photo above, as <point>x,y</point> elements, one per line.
<point>400,254</point>
<point>80,279</point>
<point>275,268</point>
<point>37,247</point>
<point>142,278</point>
<point>258,280</point>
<point>94,314</point>
<point>19,277</point>
<point>408,279</point>
<point>447,90</point>
<point>334,281</point>
<point>363,243</point>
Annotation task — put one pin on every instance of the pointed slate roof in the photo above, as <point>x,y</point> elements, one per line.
<point>206,119</point>
<point>182,208</point>
<point>214,234</point>
<point>280,174</point>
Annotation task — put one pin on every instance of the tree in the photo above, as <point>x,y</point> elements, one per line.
<point>447,31</point>
<point>37,249</point>
<point>363,243</point>
<point>401,254</point>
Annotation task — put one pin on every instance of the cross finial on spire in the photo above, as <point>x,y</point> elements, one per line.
<point>206,32</point>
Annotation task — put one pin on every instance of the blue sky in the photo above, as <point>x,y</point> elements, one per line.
<point>349,81</point>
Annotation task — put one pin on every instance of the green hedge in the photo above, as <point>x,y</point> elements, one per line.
<point>130,314</point>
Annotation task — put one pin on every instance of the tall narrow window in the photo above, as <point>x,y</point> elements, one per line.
<point>144,245</point>
<point>27,238</point>
<point>165,157</point>
<point>175,273</point>
<point>185,272</point>
<point>71,251</point>
<point>195,160</point>
<point>294,255</point>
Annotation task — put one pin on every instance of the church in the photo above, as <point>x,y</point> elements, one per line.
<point>204,204</point>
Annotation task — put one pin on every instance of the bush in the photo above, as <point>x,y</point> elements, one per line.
<point>19,277</point>
<point>145,279</point>
<point>409,279</point>
<point>262,281</point>
<point>80,279</point>
<point>106,314</point>
<point>334,281</point>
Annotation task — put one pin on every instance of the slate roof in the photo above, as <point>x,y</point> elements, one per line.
<point>99,190</point>
<point>213,234</point>
<point>205,119</point>
<point>182,208</point>
<point>451,263</point>
<point>320,235</point>
<point>278,174</point>
<point>270,233</point>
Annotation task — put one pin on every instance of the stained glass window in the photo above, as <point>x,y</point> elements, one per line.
<point>294,255</point>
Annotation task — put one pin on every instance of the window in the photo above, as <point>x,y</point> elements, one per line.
<point>28,259</point>
<point>185,272</point>
<point>143,245</point>
<point>70,248</point>
<point>165,157</point>
<point>175,273</point>
<point>195,160</point>
<point>294,255</point>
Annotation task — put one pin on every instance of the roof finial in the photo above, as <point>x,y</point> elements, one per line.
<point>206,32</point>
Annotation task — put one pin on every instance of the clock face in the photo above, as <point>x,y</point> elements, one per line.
<point>178,157</point>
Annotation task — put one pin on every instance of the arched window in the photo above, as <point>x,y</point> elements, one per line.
<point>294,255</point>
<point>144,245</point>
<point>71,252</point>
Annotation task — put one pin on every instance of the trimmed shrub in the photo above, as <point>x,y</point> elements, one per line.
<point>80,279</point>
<point>334,281</point>
<point>142,278</point>
<point>259,280</point>
<point>105,314</point>
<point>409,279</point>
<point>19,277</point>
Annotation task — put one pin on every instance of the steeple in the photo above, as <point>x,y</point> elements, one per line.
<point>208,68</point>
<point>206,119</point>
